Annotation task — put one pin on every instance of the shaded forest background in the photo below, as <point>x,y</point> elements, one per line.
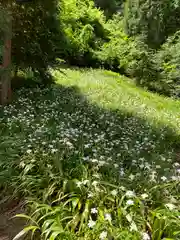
<point>138,38</point>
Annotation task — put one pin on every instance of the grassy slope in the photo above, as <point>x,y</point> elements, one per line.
<point>132,145</point>
<point>111,91</point>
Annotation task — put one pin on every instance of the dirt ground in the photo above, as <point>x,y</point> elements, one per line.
<point>10,226</point>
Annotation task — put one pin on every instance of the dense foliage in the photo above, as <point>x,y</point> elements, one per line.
<point>131,37</point>
<point>5,32</point>
<point>83,29</point>
<point>95,157</point>
<point>155,19</point>
<point>36,34</point>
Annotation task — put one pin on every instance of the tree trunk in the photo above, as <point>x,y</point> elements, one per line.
<point>5,82</point>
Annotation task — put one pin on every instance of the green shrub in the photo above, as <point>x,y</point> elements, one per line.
<point>36,39</point>
<point>83,29</point>
<point>128,55</point>
<point>156,70</point>
<point>168,65</point>
<point>112,54</point>
<point>155,19</point>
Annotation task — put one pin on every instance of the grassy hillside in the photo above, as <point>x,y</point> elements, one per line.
<point>100,154</point>
<point>112,91</point>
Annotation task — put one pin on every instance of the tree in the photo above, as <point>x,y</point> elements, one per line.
<point>36,34</point>
<point>5,55</point>
<point>154,19</point>
<point>109,6</point>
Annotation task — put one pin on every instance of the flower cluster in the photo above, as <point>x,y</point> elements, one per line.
<point>58,123</point>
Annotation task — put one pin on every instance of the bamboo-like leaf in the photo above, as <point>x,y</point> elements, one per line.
<point>79,205</point>
<point>176,233</point>
<point>26,217</point>
<point>66,218</point>
<point>42,207</point>
<point>75,221</point>
<point>46,224</point>
<point>24,231</point>
<point>46,233</point>
<point>75,203</point>
<point>28,168</point>
<point>46,215</point>
<point>54,235</point>
<point>61,198</point>
<point>50,191</point>
<point>85,215</point>
<point>68,201</point>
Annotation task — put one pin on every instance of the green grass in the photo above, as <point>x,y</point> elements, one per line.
<point>112,91</point>
<point>97,156</point>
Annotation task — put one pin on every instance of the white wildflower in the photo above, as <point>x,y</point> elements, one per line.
<point>133,227</point>
<point>116,165</point>
<point>141,166</point>
<point>114,192</point>
<point>94,210</point>
<point>108,217</point>
<point>94,161</point>
<point>85,182</point>
<point>29,151</point>
<point>130,194</point>
<point>145,236</point>
<point>103,235</point>
<point>174,178</point>
<point>129,202</point>
<point>144,195</point>
<point>122,173</point>
<point>122,188</point>
<point>54,150</point>
<point>132,177</point>
<point>164,178</point>
<point>90,195</point>
<point>170,206</point>
<point>158,167</point>
<point>94,183</point>
<point>102,163</point>
<point>91,223</point>
<point>78,184</point>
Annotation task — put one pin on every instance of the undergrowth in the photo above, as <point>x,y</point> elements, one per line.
<point>95,158</point>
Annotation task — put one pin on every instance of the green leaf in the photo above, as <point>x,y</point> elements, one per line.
<point>26,217</point>
<point>75,202</point>
<point>28,168</point>
<point>168,239</point>
<point>176,233</point>
<point>24,231</point>
<point>74,223</point>
<point>66,218</point>
<point>46,224</point>
<point>85,215</point>
<point>42,207</point>
<point>47,215</point>
<point>54,235</point>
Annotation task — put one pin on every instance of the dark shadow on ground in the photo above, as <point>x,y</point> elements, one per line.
<point>115,124</point>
